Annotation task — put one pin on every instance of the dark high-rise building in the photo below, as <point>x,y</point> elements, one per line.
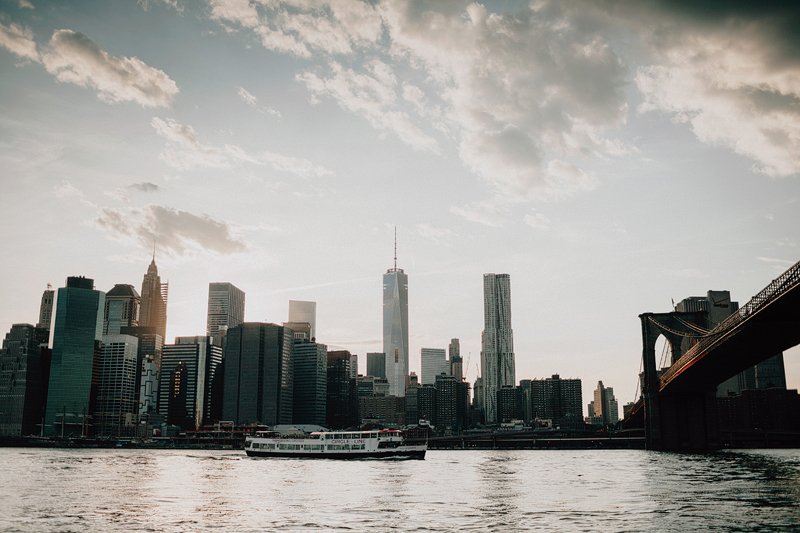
<point>188,370</point>
<point>509,403</point>
<point>447,403</point>
<point>46,308</point>
<point>411,399</point>
<point>24,373</point>
<point>150,348</point>
<point>426,403</point>
<point>497,342</point>
<point>455,360</point>
<point>718,306</point>
<point>555,399</point>
<point>225,309</point>
<point>74,370</point>
<point>121,310</point>
<point>310,382</point>
<point>153,308</point>
<point>259,374</point>
<point>342,396</point>
<point>376,364</point>
<point>117,407</point>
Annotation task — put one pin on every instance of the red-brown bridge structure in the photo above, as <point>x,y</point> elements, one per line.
<point>679,406</point>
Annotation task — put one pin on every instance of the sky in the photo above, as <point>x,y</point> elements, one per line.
<point>612,156</point>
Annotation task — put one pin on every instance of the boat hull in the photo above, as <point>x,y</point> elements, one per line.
<point>382,454</point>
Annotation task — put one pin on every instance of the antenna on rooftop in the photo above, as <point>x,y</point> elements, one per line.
<point>395,247</point>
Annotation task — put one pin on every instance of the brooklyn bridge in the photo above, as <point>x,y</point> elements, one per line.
<point>678,405</point>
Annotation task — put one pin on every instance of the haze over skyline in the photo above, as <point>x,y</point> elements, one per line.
<point>610,156</point>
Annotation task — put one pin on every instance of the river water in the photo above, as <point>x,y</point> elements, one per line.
<point>608,490</point>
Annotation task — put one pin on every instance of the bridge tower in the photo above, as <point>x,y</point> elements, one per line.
<point>680,420</point>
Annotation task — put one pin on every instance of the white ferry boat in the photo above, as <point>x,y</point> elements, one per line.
<point>334,445</point>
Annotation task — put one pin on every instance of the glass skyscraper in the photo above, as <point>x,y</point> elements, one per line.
<point>395,329</point>
<point>258,375</point>
<point>77,332</point>
<point>497,341</point>
<point>225,309</point>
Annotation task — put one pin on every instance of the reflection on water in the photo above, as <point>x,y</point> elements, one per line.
<point>173,490</point>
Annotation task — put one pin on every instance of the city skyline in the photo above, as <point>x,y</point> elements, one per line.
<point>610,159</point>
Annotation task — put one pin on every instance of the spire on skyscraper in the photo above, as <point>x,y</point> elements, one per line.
<point>395,247</point>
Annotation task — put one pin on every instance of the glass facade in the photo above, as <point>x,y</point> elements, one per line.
<point>77,334</point>
<point>395,329</point>
<point>259,375</point>
<point>310,382</point>
<point>497,341</point>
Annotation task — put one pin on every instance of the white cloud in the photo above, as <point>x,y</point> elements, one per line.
<point>25,4</point>
<point>733,80</point>
<point>173,4</point>
<point>19,40</point>
<point>184,151</point>
<point>434,233</point>
<point>65,189</point>
<point>372,94</point>
<point>175,231</point>
<point>300,27</point>
<point>493,213</point>
<point>250,99</point>
<point>74,58</point>
<point>537,221</point>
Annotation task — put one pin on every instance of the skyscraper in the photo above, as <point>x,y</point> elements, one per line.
<point>497,342</point>
<point>24,372</point>
<point>376,364</point>
<point>259,374</point>
<point>769,373</point>
<point>46,308</point>
<point>433,362</point>
<point>225,309</point>
<point>153,307</point>
<point>604,409</point>
<point>117,399</point>
<point>121,310</point>
<point>341,395</point>
<point>395,327</point>
<point>188,370</point>
<point>456,362</point>
<point>310,361</point>
<point>300,311</point>
<point>74,370</point>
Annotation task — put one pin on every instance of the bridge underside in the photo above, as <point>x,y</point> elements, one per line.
<point>680,410</point>
<point>772,330</point>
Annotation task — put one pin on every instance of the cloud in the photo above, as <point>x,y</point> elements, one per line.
<point>248,98</point>
<point>493,213</point>
<point>175,231</point>
<point>516,91</point>
<point>65,189</point>
<point>777,262</point>
<point>173,4</point>
<point>302,28</point>
<point>19,41</point>
<point>731,73</point>
<point>25,4</point>
<point>372,94</point>
<point>144,186</point>
<point>435,234</point>
<point>72,57</point>
<point>537,221</point>
<point>184,151</point>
